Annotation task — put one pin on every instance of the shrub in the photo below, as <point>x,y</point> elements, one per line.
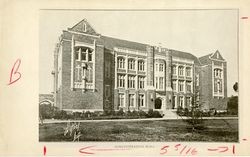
<point>142,113</point>
<point>135,113</point>
<point>120,112</point>
<point>150,113</point>
<point>156,114</point>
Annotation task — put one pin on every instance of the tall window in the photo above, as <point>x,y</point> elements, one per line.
<point>174,70</point>
<point>131,100</point>
<point>188,72</point>
<point>181,101</point>
<point>156,67</point>
<point>174,85</point>
<point>218,86</point>
<point>121,81</point>
<point>121,99</point>
<point>141,82</point>
<point>161,84</point>
<point>78,73</point>
<point>156,82</point>
<point>189,101</point>
<point>174,102</point>
<point>181,86</point>
<point>121,63</point>
<point>181,71</point>
<point>90,56</point>
<point>131,64</point>
<point>161,67</point>
<point>131,81</point>
<point>89,74</point>
<point>141,65</point>
<point>83,56</point>
<point>141,100</point>
<point>189,86</point>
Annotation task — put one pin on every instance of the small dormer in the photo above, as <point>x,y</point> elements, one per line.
<point>84,27</point>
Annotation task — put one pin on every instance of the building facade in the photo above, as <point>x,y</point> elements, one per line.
<point>93,72</point>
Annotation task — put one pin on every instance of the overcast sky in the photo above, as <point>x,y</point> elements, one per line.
<point>199,32</point>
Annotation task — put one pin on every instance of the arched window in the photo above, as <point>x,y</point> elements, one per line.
<point>181,70</point>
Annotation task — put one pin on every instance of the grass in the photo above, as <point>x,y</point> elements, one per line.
<point>161,130</point>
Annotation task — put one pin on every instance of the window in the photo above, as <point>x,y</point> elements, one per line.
<point>161,83</point>
<point>78,73</point>
<point>181,71</point>
<point>156,67</point>
<point>181,86</point>
<point>174,102</point>
<point>83,56</point>
<point>131,81</point>
<point>141,82</point>
<point>161,67</point>
<point>141,65</point>
<point>217,73</point>
<point>189,86</point>
<point>84,28</point>
<point>107,68</point>
<point>121,99</point>
<point>156,82</point>
<point>174,70</point>
<point>131,100</point>
<point>141,100</point>
<point>89,74</point>
<point>121,63</point>
<point>181,100</point>
<point>121,81</point>
<point>218,86</point>
<point>174,85</point>
<point>189,101</point>
<point>188,72</point>
<point>83,53</point>
<point>90,56</point>
<point>77,55</point>
<point>131,64</point>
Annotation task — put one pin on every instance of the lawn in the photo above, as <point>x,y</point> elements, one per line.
<point>155,130</point>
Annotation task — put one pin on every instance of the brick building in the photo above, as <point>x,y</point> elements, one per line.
<point>95,72</point>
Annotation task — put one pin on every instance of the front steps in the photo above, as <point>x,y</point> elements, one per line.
<point>170,114</point>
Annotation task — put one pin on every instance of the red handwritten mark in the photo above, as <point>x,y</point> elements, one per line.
<point>244,139</point>
<point>44,150</point>
<point>83,150</point>
<point>14,72</point>
<point>233,149</point>
<point>244,17</point>
<point>164,149</point>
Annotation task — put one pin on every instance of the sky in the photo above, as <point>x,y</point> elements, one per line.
<point>199,32</point>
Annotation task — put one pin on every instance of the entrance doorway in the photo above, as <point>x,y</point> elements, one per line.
<point>158,103</point>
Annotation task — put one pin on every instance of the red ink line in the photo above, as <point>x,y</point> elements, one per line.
<point>44,150</point>
<point>84,148</point>
<point>183,149</point>
<point>244,17</point>
<point>188,151</point>
<point>233,149</point>
<point>212,149</point>
<point>14,71</point>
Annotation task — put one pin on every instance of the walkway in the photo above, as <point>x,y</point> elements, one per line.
<point>48,121</point>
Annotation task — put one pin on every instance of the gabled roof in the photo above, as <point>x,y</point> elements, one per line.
<point>217,55</point>
<point>186,55</point>
<point>84,27</point>
<point>204,60</point>
<point>110,43</point>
